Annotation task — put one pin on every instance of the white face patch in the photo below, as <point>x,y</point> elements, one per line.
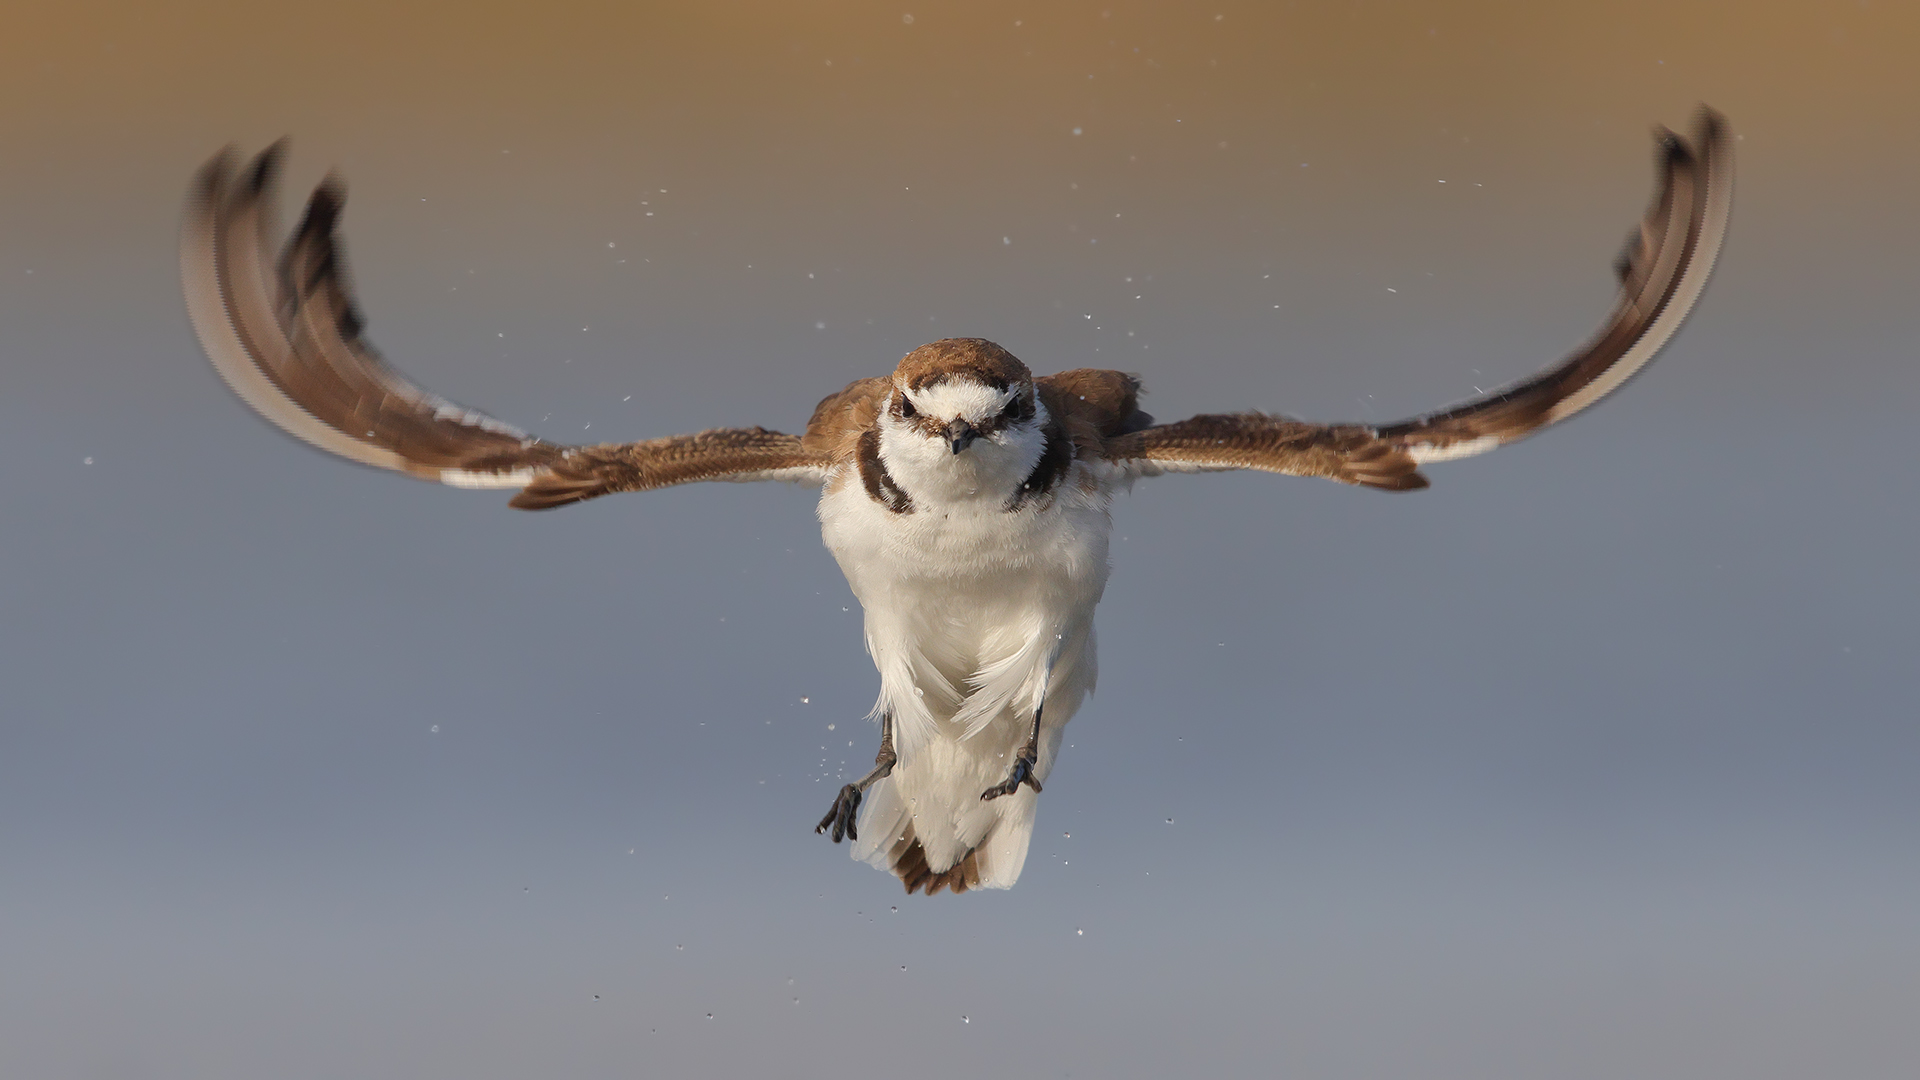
<point>960,399</point>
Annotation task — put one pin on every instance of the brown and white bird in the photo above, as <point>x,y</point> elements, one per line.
<point>966,500</point>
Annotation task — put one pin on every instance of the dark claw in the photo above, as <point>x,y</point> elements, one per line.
<point>845,812</point>
<point>1022,773</point>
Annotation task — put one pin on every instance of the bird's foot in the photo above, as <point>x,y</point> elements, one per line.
<point>1021,773</point>
<point>843,816</point>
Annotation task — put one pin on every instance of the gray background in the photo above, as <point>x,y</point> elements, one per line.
<point>1595,760</point>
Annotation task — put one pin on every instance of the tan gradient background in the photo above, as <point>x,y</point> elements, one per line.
<point>1595,760</point>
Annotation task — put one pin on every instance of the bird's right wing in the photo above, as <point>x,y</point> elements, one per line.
<point>287,339</point>
<point>1664,268</point>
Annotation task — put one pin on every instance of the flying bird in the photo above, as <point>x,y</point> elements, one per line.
<point>966,499</point>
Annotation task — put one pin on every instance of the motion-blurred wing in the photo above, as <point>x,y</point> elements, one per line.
<point>287,339</point>
<point>1662,272</point>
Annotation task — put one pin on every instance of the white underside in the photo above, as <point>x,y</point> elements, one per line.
<point>973,613</point>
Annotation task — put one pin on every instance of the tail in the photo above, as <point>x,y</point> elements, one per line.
<point>927,824</point>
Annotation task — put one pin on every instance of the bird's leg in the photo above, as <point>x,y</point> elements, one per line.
<point>1028,759</point>
<point>1023,764</point>
<point>846,805</point>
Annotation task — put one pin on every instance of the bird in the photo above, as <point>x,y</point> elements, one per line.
<point>967,501</point>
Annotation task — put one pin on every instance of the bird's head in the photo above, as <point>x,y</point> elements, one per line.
<point>964,409</point>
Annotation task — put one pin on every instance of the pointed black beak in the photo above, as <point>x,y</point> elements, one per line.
<point>960,435</point>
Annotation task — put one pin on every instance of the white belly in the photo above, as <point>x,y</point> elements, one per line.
<point>972,612</point>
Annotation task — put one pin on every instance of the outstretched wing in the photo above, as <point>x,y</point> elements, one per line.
<point>287,339</point>
<point>1662,272</point>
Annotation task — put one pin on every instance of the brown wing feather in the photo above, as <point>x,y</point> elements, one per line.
<point>288,341</point>
<point>722,454</point>
<point>840,418</point>
<point>1662,272</point>
<point>1349,453</point>
<point>1108,401</point>
<point>1090,406</point>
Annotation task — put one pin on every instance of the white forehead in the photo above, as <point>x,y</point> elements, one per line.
<point>960,398</point>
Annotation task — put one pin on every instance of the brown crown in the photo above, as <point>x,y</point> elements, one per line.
<point>974,358</point>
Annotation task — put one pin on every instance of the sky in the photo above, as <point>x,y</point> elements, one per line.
<point>1594,760</point>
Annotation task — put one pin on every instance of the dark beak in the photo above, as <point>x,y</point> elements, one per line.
<point>960,435</point>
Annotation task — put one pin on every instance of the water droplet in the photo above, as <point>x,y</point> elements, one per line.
<point>894,908</point>
<point>435,729</point>
<point>1082,933</point>
<point>966,1020</point>
<point>829,727</point>
<point>86,461</point>
<point>1169,821</point>
<point>709,1016</point>
<point>903,967</point>
<point>907,19</point>
<point>596,997</point>
<point>679,948</point>
<point>805,701</point>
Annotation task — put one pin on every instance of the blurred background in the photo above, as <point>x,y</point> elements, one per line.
<point>1595,760</point>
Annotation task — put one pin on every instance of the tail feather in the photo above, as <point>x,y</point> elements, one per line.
<point>910,866</point>
<point>930,828</point>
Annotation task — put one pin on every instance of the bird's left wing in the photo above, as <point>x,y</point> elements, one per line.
<point>1664,268</point>
<point>287,339</point>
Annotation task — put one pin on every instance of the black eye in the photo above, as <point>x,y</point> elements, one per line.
<point>906,407</point>
<point>1016,409</point>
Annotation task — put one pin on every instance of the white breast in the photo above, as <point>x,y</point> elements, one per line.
<point>967,603</point>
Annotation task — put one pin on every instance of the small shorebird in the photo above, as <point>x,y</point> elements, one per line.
<point>966,500</point>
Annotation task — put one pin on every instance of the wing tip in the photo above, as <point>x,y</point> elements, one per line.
<point>1713,140</point>
<point>263,173</point>
<point>1709,137</point>
<point>1710,126</point>
<point>318,246</point>
<point>213,177</point>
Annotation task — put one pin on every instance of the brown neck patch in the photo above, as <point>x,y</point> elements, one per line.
<point>1056,458</point>
<point>880,484</point>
